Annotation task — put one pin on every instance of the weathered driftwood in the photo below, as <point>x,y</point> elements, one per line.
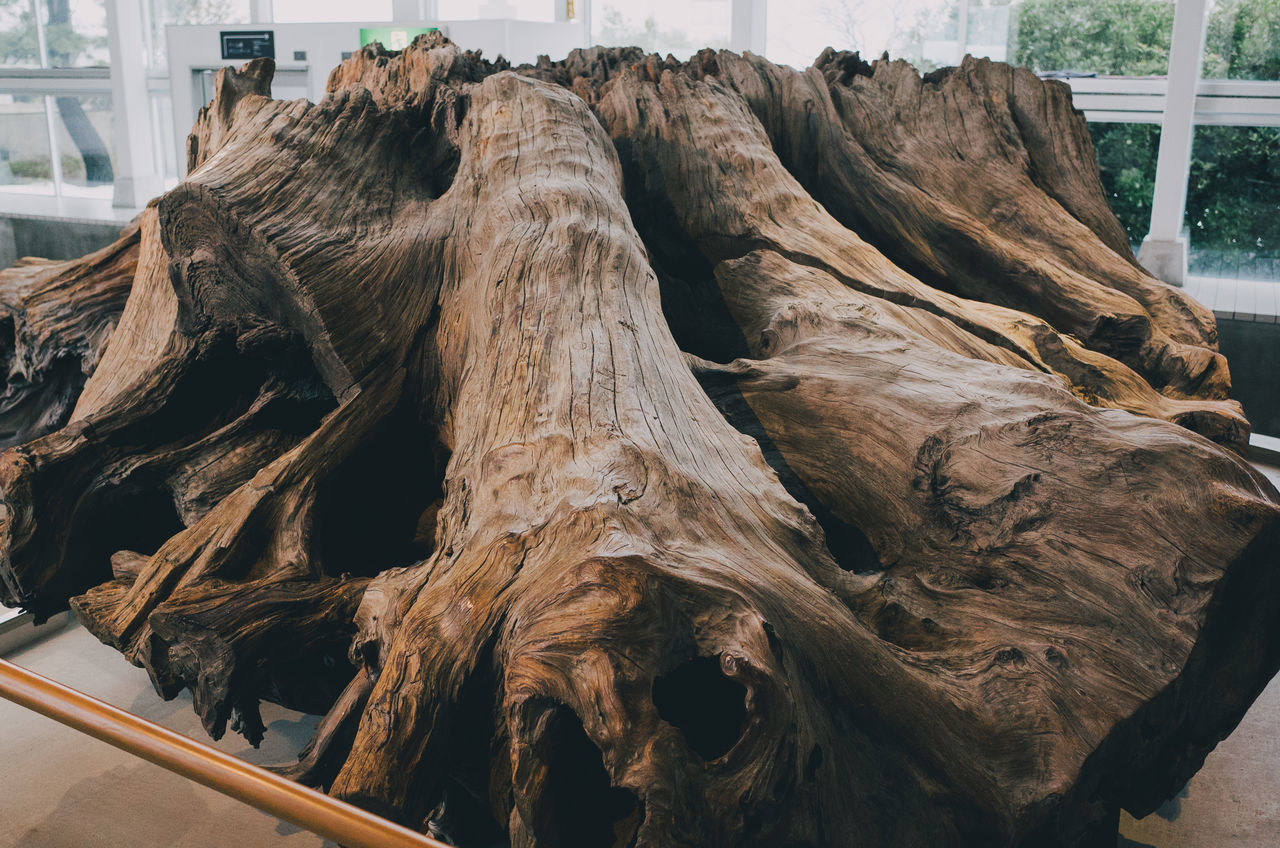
<point>632,452</point>
<point>55,318</point>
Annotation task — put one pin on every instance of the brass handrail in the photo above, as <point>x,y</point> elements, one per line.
<point>333,819</point>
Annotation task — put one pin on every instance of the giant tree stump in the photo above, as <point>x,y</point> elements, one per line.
<point>632,452</point>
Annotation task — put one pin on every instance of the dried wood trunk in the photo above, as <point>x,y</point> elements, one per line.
<point>633,452</point>
<point>55,318</point>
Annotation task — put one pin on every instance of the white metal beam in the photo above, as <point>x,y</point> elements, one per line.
<point>137,170</point>
<point>1251,103</point>
<point>1164,250</point>
<point>56,81</point>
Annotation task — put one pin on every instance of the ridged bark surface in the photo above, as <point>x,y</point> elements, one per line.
<point>633,452</point>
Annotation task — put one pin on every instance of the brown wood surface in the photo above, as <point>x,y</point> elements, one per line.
<point>633,452</point>
<point>55,318</point>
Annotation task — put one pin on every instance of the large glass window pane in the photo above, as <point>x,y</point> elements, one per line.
<point>1115,37</point>
<point>18,42</point>
<point>83,131</point>
<point>990,30</point>
<point>166,144</point>
<point>76,33</point>
<point>932,39</point>
<point>1112,37</point>
<point>25,163</point>
<point>933,42</point>
<point>1233,202</point>
<point>915,30</point>
<point>1243,40</point>
<point>679,27</point>
<point>162,13</point>
<point>1127,163</point>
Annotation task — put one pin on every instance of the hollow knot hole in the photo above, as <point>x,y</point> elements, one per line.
<point>709,708</point>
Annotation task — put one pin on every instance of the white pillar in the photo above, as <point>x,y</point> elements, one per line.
<point>261,12</point>
<point>747,27</point>
<point>137,171</point>
<point>1164,250</point>
<point>50,122</point>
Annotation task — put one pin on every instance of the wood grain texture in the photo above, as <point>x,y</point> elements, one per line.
<point>55,319</point>
<point>634,452</point>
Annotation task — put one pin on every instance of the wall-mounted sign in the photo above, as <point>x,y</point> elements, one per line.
<point>393,38</point>
<point>245,44</point>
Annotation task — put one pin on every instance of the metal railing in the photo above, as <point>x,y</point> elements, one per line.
<point>333,819</point>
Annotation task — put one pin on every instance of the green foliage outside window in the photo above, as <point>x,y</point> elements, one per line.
<point>1243,40</point>
<point>20,46</point>
<point>1127,37</point>
<point>1127,161</point>
<point>1233,193</point>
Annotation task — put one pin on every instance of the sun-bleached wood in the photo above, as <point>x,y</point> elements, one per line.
<point>624,451</point>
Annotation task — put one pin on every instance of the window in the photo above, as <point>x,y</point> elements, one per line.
<point>1233,202</point>
<point>678,27</point>
<point>1129,37</point>
<point>18,42</point>
<point>1127,156</point>
<point>163,13</point>
<point>82,128</point>
<point>54,33</point>
<point>799,30</point>
<point>75,33</point>
<point>1243,40</point>
<point>1105,37</point>
<point>57,141</point>
<point>1233,189</point>
<point>25,163</point>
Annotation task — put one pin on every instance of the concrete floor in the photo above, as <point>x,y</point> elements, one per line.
<point>61,789</point>
<point>1233,800</point>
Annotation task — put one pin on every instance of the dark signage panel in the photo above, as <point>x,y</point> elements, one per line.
<point>242,44</point>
